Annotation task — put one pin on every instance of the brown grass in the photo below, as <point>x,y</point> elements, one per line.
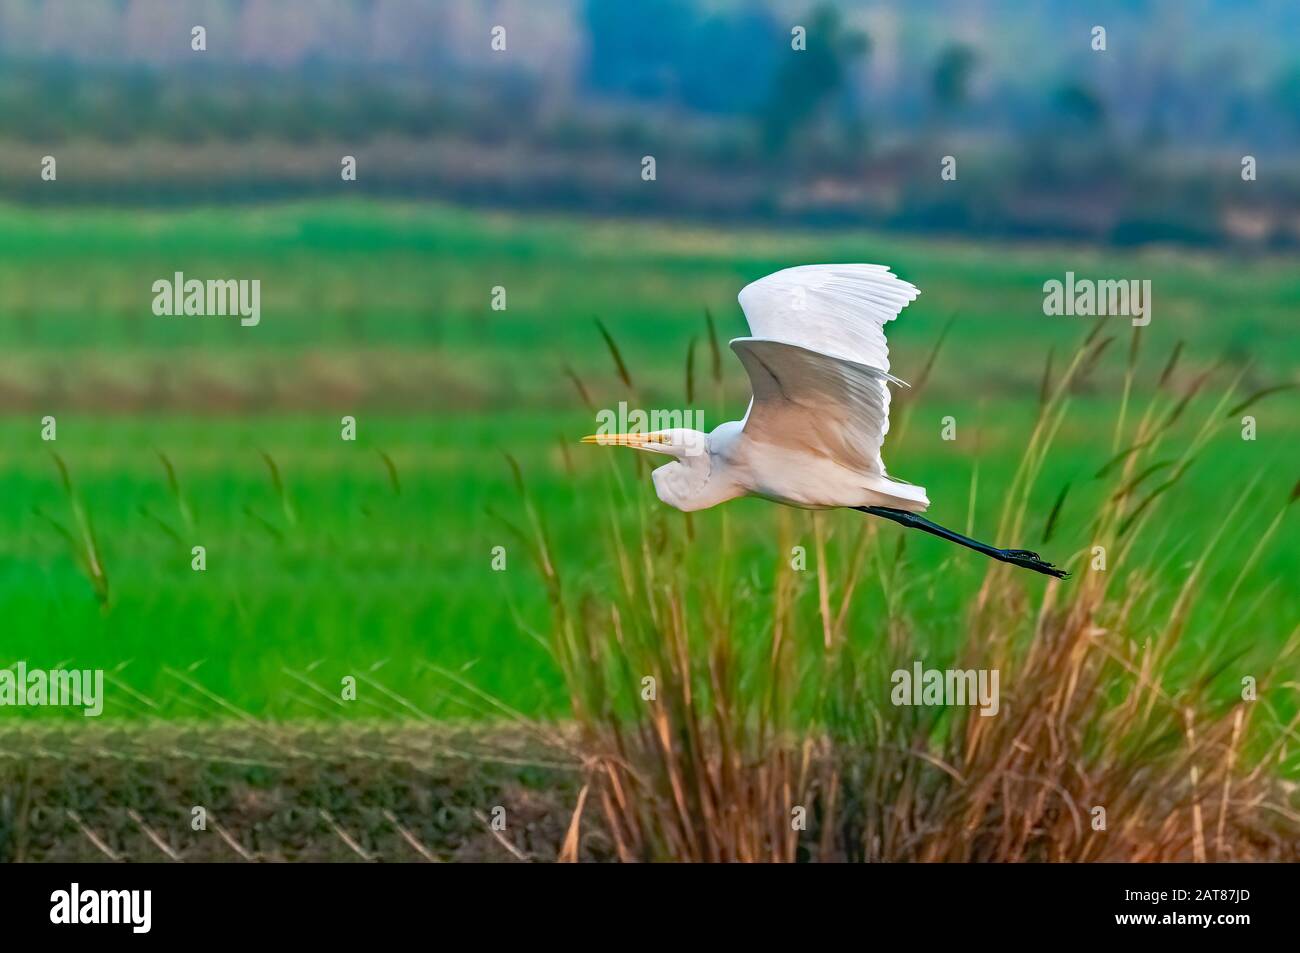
<point>755,725</point>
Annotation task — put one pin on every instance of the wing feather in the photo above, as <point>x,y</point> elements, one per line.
<point>839,310</point>
<point>823,404</point>
<point>818,360</point>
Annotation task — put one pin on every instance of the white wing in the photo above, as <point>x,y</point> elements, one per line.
<point>840,310</point>
<point>815,402</point>
<point>818,360</point>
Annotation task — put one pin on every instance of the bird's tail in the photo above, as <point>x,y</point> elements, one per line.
<point>1016,557</point>
<point>908,496</point>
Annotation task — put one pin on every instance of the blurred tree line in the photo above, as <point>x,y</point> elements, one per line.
<point>717,92</point>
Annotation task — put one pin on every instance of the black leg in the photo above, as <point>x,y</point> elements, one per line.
<point>1016,557</point>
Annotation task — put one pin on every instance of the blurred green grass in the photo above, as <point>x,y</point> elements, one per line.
<point>382,311</point>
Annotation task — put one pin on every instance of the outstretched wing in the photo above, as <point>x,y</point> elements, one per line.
<point>839,310</point>
<point>818,360</point>
<point>825,405</point>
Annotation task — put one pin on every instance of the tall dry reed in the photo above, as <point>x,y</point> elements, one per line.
<point>710,732</point>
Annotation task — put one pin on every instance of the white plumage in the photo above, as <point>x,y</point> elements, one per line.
<point>818,364</point>
<point>837,310</point>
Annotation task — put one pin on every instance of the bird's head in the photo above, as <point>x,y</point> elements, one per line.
<point>678,442</point>
<point>681,482</point>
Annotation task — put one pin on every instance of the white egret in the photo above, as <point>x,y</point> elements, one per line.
<point>818,365</point>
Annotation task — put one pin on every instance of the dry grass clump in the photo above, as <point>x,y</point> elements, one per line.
<point>723,718</point>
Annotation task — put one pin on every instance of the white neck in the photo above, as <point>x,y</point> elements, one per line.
<point>699,481</point>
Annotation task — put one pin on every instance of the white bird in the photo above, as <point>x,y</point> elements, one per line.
<point>818,365</point>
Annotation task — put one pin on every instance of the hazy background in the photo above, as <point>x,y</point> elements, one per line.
<point>522,170</point>
<point>1141,142</point>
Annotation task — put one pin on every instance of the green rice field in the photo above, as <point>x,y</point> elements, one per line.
<point>374,557</point>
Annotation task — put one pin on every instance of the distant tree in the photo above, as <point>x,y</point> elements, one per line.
<point>811,79</point>
<point>950,81</point>
<point>710,59</point>
<point>1077,103</point>
<point>1286,95</point>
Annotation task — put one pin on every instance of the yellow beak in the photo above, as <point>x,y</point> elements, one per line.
<point>625,439</point>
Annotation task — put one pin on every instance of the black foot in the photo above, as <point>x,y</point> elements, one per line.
<point>1027,560</point>
<point>1017,557</point>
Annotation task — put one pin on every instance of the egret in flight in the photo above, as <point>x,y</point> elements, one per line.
<point>818,365</point>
